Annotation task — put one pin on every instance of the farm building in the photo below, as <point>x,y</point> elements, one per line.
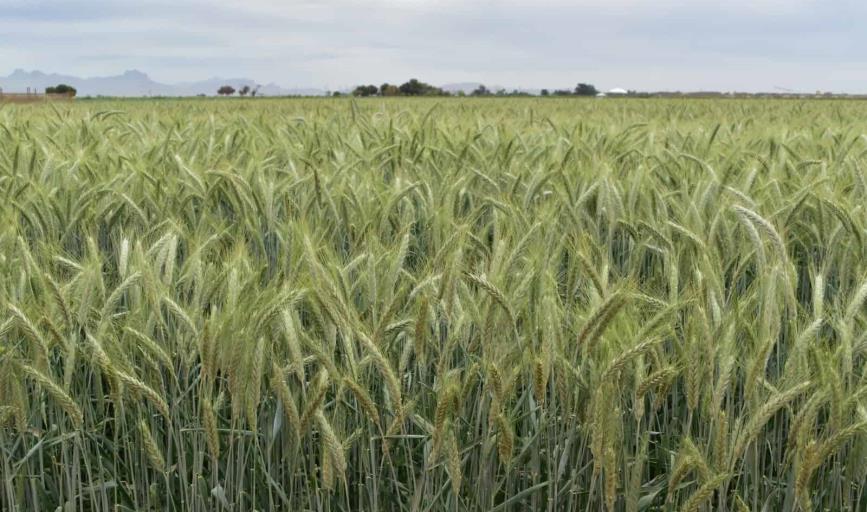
<point>617,91</point>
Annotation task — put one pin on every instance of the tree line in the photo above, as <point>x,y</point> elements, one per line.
<point>415,87</point>
<point>228,90</point>
<point>580,90</point>
<point>61,89</point>
<point>412,87</point>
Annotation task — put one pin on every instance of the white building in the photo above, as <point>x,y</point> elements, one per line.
<point>617,91</point>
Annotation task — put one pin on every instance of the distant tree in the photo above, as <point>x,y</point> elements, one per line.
<point>481,90</point>
<point>365,90</point>
<point>61,89</point>
<point>586,90</point>
<point>255,91</point>
<point>387,89</point>
<point>244,90</point>
<point>562,92</point>
<point>416,88</point>
<point>545,92</point>
<point>412,88</point>
<point>226,90</point>
<point>336,94</point>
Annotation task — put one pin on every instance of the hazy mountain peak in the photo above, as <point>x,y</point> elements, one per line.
<point>134,82</point>
<point>23,73</point>
<point>134,73</point>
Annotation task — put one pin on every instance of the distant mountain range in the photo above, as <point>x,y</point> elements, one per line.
<point>136,83</point>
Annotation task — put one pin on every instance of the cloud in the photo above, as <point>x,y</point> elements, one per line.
<point>672,44</point>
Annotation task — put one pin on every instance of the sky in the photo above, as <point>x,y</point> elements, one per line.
<point>757,45</point>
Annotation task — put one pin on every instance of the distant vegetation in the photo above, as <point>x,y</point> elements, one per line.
<point>481,90</point>
<point>366,90</point>
<point>586,90</point>
<point>61,89</point>
<point>417,88</point>
<point>414,87</point>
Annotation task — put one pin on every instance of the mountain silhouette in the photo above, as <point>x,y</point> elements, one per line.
<point>136,83</point>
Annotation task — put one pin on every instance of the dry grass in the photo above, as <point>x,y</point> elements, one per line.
<point>20,98</point>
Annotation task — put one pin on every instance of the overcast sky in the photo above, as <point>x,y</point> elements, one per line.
<point>665,44</point>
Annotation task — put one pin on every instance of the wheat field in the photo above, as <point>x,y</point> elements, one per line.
<point>424,305</point>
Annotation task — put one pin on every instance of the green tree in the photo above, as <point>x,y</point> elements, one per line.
<point>365,90</point>
<point>61,89</point>
<point>481,90</point>
<point>412,88</point>
<point>387,89</point>
<point>244,90</point>
<point>586,90</point>
<point>226,90</point>
<point>416,88</point>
